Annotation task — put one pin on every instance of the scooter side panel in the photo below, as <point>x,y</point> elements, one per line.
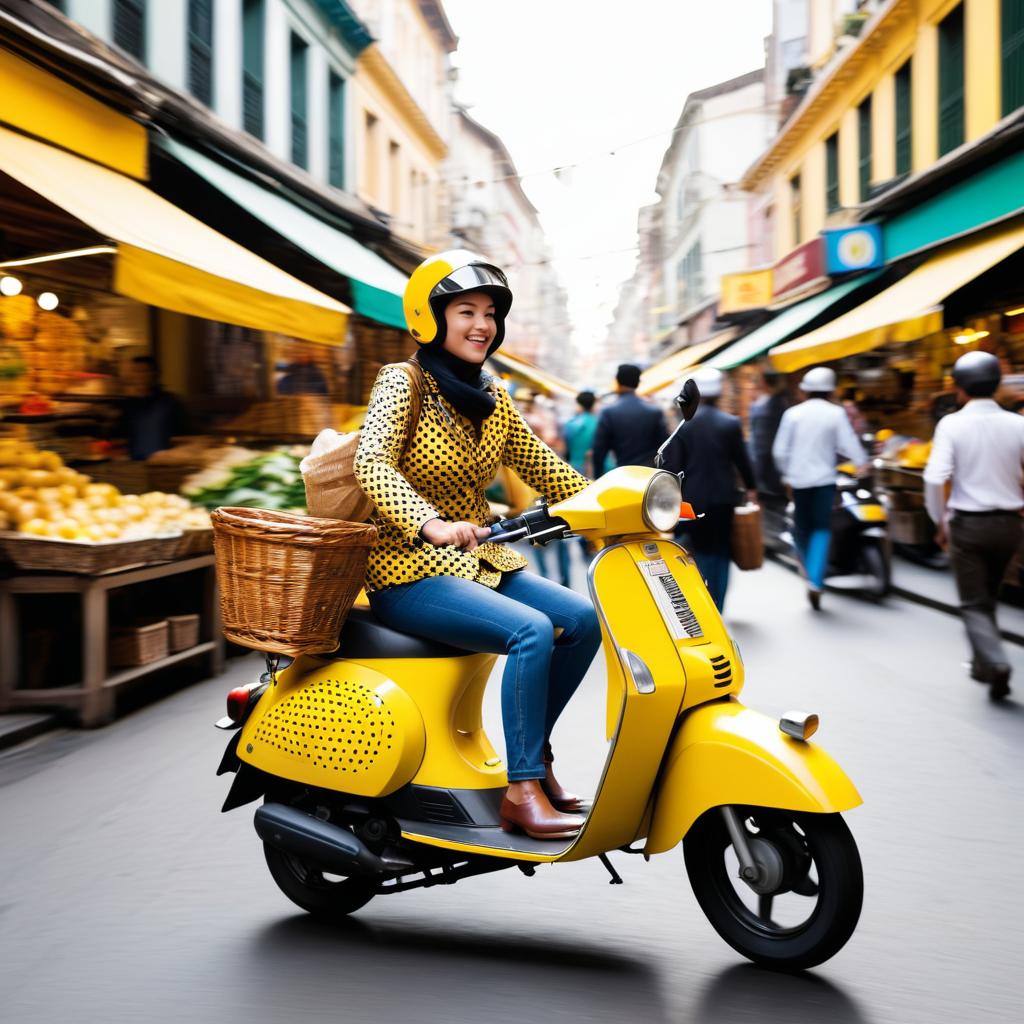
<point>339,726</point>
<point>641,721</point>
<point>725,753</point>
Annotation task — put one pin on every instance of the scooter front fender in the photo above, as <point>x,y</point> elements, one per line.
<point>725,753</point>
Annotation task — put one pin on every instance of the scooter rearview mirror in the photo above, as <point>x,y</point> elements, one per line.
<point>688,399</point>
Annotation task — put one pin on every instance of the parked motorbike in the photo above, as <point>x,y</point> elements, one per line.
<point>860,555</point>
<point>377,776</point>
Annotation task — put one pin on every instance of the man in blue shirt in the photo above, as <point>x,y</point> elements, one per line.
<point>579,435</point>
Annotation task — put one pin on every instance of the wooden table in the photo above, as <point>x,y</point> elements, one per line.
<point>93,698</point>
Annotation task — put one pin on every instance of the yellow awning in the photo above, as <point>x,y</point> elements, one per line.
<point>909,309</point>
<point>37,102</point>
<point>521,369</point>
<point>167,258</point>
<point>670,369</point>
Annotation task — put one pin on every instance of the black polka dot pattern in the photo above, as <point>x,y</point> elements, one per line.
<point>443,474</point>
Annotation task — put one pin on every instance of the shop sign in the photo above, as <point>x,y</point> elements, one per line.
<point>751,289</point>
<point>850,249</point>
<point>804,264</point>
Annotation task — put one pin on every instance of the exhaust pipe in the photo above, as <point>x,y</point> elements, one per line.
<point>330,847</point>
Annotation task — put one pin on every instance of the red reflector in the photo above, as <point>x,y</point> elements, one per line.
<point>686,511</point>
<point>238,701</point>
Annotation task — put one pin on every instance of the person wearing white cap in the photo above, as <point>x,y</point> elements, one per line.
<point>811,437</point>
<point>709,450</point>
<point>981,449</point>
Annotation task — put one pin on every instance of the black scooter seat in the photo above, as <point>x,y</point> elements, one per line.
<point>364,636</point>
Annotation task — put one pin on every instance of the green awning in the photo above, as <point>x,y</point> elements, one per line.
<point>377,286</point>
<point>791,320</point>
<point>987,197</point>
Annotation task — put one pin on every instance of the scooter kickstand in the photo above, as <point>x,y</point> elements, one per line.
<point>616,877</point>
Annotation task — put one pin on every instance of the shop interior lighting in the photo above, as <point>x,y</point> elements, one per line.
<point>968,336</point>
<point>10,286</point>
<point>1014,312</point>
<point>48,301</point>
<point>69,254</point>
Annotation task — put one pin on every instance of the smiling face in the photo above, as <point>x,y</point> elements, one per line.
<point>471,326</point>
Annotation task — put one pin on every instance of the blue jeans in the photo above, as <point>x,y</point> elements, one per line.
<point>517,619</point>
<point>709,540</point>
<point>813,529</point>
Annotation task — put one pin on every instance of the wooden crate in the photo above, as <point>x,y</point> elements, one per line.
<point>139,644</point>
<point>183,632</point>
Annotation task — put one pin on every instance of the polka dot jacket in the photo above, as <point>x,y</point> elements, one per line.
<point>443,474</point>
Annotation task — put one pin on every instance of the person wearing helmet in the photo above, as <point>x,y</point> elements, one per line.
<point>710,452</point>
<point>813,436</point>
<point>431,572</point>
<point>981,449</point>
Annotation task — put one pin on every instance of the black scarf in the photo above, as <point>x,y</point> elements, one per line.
<point>464,384</point>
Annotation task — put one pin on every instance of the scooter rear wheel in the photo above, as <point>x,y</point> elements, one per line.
<point>328,897</point>
<point>813,885</point>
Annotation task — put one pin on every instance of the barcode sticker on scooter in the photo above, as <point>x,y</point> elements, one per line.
<point>675,609</point>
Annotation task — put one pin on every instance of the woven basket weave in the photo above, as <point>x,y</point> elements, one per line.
<point>287,581</point>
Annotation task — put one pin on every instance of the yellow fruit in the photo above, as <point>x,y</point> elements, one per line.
<point>111,530</point>
<point>38,527</point>
<point>67,528</point>
<point>25,511</point>
<point>93,532</point>
<point>68,493</point>
<point>50,460</point>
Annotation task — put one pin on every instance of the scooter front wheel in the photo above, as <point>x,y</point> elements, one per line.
<point>806,900</point>
<point>329,897</point>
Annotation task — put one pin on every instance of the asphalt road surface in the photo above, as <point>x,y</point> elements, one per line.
<point>126,896</point>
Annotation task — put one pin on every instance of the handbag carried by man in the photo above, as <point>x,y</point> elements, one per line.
<point>332,490</point>
<point>747,538</point>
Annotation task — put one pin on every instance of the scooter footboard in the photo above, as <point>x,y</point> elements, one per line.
<point>725,753</point>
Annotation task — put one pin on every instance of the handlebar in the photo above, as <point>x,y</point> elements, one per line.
<point>535,524</point>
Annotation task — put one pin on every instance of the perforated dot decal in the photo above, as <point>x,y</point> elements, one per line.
<point>333,725</point>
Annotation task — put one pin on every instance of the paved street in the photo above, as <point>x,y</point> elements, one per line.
<point>126,896</point>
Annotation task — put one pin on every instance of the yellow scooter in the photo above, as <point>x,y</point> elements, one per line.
<point>377,776</point>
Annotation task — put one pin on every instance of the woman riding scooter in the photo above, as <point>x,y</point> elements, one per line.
<point>429,573</point>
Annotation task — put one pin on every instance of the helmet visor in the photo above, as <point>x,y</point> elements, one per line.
<point>475,277</point>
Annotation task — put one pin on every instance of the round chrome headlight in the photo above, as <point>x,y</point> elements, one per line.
<point>661,502</point>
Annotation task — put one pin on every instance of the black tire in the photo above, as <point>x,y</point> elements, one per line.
<point>827,909</point>
<point>876,564</point>
<point>327,897</point>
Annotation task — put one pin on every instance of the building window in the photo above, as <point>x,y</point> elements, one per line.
<point>951,80</point>
<point>300,142</point>
<point>1012,32</point>
<point>690,278</point>
<point>336,130</point>
<point>130,27</point>
<point>832,173</point>
<point>200,50</point>
<point>252,67</point>
<point>864,148</point>
<point>371,162</point>
<point>904,153</point>
<point>796,208</point>
<point>394,179</point>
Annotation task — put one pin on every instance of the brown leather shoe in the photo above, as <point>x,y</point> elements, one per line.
<point>561,799</point>
<point>535,816</point>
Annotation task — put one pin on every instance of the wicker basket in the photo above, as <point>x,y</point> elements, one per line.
<point>84,558</point>
<point>287,581</point>
<point>183,632</point>
<point>140,644</point>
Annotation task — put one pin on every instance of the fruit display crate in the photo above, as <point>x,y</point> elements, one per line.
<point>89,558</point>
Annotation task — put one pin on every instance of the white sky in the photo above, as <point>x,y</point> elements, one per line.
<point>568,81</point>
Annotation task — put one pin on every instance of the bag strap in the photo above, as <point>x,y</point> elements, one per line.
<point>412,369</point>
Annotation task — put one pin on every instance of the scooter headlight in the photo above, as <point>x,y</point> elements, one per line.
<point>661,502</point>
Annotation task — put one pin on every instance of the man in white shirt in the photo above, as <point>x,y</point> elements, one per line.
<point>981,448</point>
<point>811,438</point>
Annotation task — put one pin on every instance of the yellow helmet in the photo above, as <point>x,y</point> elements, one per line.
<point>438,279</point>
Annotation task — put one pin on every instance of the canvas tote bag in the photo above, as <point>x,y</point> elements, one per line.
<point>328,471</point>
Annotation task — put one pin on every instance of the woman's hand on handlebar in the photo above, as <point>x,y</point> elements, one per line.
<point>461,535</point>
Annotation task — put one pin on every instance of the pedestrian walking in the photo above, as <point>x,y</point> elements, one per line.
<point>631,428</point>
<point>764,417</point>
<point>812,435</point>
<point>710,452</point>
<point>579,434</point>
<point>981,449</point>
